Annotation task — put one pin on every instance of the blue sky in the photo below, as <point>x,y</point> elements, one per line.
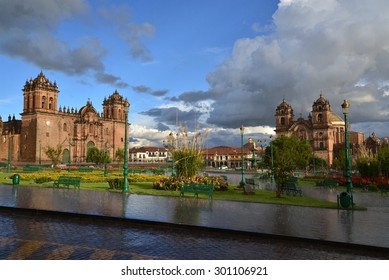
<point>220,63</point>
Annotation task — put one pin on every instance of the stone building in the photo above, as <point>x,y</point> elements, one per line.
<point>43,124</point>
<point>323,129</point>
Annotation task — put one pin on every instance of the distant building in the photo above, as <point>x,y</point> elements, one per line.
<point>323,129</point>
<point>43,124</point>
<point>373,144</point>
<point>148,155</point>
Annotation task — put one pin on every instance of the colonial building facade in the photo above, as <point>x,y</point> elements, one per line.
<point>323,129</point>
<point>44,124</point>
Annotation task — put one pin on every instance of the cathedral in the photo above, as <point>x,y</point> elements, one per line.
<point>44,124</point>
<point>323,129</point>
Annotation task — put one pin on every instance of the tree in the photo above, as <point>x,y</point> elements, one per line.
<point>187,152</point>
<point>54,154</point>
<point>97,156</point>
<point>383,158</point>
<point>119,155</point>
<point>289,154</point>
<point>368,165</point>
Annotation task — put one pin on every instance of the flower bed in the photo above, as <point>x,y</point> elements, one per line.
<point>175,184</point>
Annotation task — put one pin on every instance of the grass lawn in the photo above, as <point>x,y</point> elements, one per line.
<point>232,194</point>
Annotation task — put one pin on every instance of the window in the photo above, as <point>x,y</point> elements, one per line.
<point>320,118</point>
<point>65,127</point>
<point>43,101</point>
<point>50,103</point>
<point>282,121</point>
<point>321,145</point>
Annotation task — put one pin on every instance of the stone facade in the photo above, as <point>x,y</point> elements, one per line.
<point>323,129</point>
<point>43,124</point>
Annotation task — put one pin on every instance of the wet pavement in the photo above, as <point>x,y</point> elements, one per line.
<point>354,227</point>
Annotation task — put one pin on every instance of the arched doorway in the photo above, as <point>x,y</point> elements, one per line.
<point>66,155</point>
<point>90,144</point>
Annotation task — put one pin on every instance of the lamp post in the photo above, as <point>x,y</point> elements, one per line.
<point>40,151</point>
<point>69,160</point>
<point>347,198</point>
<point>243,181</point>
<point>170,144</point>
<point>125,166</point>
<point>9,153</point>
<point>272,159</point>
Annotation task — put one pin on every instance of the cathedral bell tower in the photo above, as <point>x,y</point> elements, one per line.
<point>284,117</point>
<point>40,95</point>
<point>113,107</point>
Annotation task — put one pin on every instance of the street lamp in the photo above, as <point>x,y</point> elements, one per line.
<point>346,198</point>
<point>243,181</point>
<point>170,144</point>
<point>272,159</point>
<point>40,151</point>
<point>9,152</point>
<point>125,166</point>
<point>70,158</point>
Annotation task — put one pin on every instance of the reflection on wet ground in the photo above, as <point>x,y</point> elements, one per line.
<point>359,227</point>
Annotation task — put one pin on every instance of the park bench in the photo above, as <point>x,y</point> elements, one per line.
<point>85,169</point>
<point>31,168</point>
<point>67,181</point>
<point>197,189</point>
<point>330,183</point>
<point>384,189</point>
<point>291,188</point>
<point>135,171</point>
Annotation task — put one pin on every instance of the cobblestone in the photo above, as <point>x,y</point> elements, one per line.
<point>31,235</point>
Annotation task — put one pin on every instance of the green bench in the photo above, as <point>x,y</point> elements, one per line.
<point>291,188</point>
<point>67,181</point>
<point>197,189</point>
<point>85,169</point>
<point>384,189</point>
<point>31,168</point>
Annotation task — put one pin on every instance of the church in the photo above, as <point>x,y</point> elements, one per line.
<point>323,129</point>
<point>44,124</point>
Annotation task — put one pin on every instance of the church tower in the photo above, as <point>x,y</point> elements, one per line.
<point>113,107</point>
<point>40,95</point>
<point>284,118</point>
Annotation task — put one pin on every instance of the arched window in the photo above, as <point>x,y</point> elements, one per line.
<point>321,145</point>
<point>50,103</point>
<point>43,101</point>
<point>320,118</point>
<point>65,127</point>
<point>282,121</point>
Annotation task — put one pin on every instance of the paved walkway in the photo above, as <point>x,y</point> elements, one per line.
<point>355,227</point>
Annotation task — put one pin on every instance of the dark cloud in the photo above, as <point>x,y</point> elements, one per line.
<point>130,32</point>
<point>191,96</point>
<point>173,116</point>
<point>162,127</point>
<point>337,48</point>
<point>145,89</point>
<point>27,31</point>
<point>111,79</point>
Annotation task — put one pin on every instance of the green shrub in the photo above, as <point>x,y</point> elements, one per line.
<point>41,180</point>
